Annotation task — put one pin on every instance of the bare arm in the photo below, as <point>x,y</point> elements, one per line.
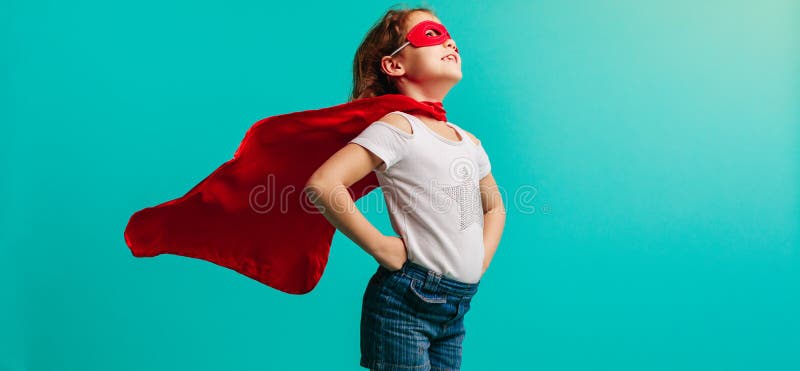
<point>328,189</point>
<point>494,214</point>
<point>494,218</point>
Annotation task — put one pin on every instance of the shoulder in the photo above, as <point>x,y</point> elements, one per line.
<point>473,137</point>
<point>397,120</point>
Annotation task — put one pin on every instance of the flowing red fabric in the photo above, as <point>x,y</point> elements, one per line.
<point>251,214</point>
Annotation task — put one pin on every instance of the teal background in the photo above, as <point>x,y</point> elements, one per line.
<point>648,151</point>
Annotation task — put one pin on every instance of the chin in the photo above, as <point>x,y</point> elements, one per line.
<point>457,73</point>
<point>456,77</point>
<point>453,81</point>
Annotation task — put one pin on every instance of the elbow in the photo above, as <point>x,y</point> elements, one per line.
<point>317,183</point>
<point>314,184</point>
<point>501,210</point>
<point>496,209</point>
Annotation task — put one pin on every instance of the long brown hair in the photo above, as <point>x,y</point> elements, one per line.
<point>386,35</point>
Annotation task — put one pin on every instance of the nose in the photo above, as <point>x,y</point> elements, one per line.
<point>450,43</point>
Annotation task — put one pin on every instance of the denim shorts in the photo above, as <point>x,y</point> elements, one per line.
<point>413,319</point>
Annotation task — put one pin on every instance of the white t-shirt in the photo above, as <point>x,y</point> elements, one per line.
<point>430,184</point>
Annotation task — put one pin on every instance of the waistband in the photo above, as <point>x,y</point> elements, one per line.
<point>436,281</point>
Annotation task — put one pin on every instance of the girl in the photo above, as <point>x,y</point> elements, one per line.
<point>441,195</point>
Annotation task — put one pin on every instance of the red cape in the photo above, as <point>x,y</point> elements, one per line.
<point>251,214</point>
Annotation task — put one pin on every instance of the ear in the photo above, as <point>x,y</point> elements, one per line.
<point>392,66</point>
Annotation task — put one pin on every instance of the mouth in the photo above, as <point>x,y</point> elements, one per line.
<point>450,57</point>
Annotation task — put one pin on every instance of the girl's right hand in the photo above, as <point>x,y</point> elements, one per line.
<point>391,253</point>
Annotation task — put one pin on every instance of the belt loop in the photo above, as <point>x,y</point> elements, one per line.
<point>432,280</point>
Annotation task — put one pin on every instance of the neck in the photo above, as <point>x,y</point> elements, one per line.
<point>426,93</point>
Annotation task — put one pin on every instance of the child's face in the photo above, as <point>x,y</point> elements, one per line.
<point>429,64</point>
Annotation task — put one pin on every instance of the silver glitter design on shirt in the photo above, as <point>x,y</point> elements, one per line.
<point>466,193</point>
<point>468,197</point>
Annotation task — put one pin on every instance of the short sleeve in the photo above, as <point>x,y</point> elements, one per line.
<point>484,165</point>
<point>385,141</point>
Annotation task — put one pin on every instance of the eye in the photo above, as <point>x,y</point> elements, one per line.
<point>431,33</point>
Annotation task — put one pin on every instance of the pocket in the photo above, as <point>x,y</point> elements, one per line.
<point>460,307</point>
<point>393,289</point>
<point>428,296</point>
<point>463,306</point>
<point>382,277</point>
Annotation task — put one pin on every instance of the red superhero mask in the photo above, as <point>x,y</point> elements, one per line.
<point>425,33</point>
